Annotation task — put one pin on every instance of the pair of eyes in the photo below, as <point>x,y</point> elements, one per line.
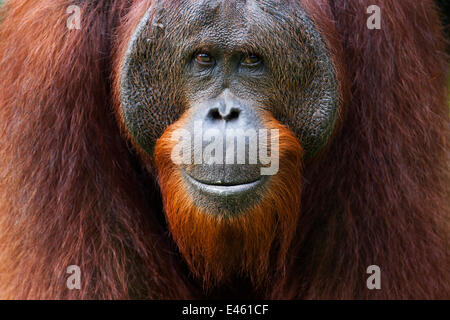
<point>249,60</point>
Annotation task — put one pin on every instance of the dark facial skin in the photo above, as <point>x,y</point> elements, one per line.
<point>223,62</point>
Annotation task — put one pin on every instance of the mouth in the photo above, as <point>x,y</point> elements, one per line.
<point>224,194</point>
<point>223,189</point>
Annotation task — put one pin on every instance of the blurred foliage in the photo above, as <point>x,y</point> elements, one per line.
<point>444,6</point>
<point>1,2</point>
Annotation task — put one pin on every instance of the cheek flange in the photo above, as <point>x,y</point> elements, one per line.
<point>313,114</point>
<point>147,76</point>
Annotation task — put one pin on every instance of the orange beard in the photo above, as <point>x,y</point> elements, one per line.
<point>217,247</point>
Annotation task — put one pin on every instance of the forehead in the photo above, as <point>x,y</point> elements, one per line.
<point>227,21</point>
<point>231,12</point>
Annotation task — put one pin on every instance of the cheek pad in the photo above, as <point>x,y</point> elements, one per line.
<point>308,94</point>
<point>150,83</point>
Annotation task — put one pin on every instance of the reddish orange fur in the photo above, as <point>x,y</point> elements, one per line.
<point>215,246</point>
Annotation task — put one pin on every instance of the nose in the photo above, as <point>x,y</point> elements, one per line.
<point>224,110</point>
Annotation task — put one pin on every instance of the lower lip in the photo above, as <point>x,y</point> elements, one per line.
<point>223,190</point>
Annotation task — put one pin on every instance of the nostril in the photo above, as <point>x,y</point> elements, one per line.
<point>214,114</point>
<point>233,115</point>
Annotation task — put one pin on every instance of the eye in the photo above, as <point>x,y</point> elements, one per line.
<point>251,60</point>
<point>204,59</point>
